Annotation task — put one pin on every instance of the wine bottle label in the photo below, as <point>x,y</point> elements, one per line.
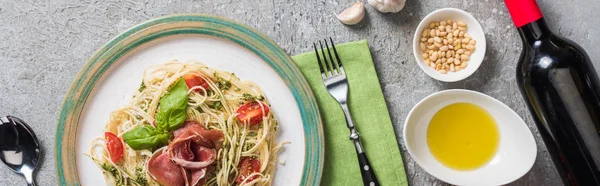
<point>523,11</point>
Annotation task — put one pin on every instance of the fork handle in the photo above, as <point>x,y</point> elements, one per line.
<point>366,170</point>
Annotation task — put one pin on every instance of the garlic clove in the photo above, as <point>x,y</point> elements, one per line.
<point>387,5</point>
<point>352,15</point>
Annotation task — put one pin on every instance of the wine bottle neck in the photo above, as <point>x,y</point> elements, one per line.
<point>534,31</point>
<point>523,11</point>
<point>528,19</point>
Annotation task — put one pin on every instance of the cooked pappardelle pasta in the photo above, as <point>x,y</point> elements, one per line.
<point>189,124</point>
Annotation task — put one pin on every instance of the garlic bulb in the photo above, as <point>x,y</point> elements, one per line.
<point>353,14</point>
<point>387,5</point>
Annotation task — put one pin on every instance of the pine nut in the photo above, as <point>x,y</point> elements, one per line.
<point>465,40</point>
<point>444,48</point>
<point>470,47</point>
<point>456,42</point>
<point>422,46</point>
<point>433,57</point>
<point>464,57</point>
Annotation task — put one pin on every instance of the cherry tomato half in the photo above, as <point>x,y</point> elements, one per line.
<point>114,146</point>
<point>193,80</point>
<point>247,166</point>
<point>252,112</point>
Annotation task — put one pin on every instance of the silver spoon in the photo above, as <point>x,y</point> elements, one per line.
<point>19,147</point>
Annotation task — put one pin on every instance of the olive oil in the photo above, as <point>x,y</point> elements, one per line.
<point>463,136</point>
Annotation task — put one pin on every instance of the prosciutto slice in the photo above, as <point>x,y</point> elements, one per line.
<point>164,171</point>
<point>201,136</point>
<point>187,154</point>
<point>197,177</point>
<point>186,160</point>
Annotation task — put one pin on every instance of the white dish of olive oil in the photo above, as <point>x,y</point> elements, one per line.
<point>464,137</point>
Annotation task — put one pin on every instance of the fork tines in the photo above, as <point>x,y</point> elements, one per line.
<point>332,66</point>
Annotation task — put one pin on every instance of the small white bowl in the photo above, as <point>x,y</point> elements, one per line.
<point>515,155</point>
<point>473,29</point>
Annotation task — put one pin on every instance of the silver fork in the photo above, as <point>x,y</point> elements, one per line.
<point>336,83</point>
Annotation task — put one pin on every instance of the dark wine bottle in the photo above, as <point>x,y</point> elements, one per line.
<point>560,86</point>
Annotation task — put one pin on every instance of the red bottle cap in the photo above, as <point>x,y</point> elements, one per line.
<point>523,11</point>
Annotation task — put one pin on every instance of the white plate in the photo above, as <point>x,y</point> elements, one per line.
<point>116,78</point>
<point>516,152</point>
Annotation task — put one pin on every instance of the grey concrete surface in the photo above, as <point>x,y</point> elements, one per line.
<point>44,43</point>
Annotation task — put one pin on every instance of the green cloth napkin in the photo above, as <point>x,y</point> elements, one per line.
<point>370,114</point>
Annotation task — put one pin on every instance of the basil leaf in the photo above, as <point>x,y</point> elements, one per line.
<point>172,109</point>
<point>145,137</point>
<point>170,116</point>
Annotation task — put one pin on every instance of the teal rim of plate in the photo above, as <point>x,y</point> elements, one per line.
<point>209,25</point>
